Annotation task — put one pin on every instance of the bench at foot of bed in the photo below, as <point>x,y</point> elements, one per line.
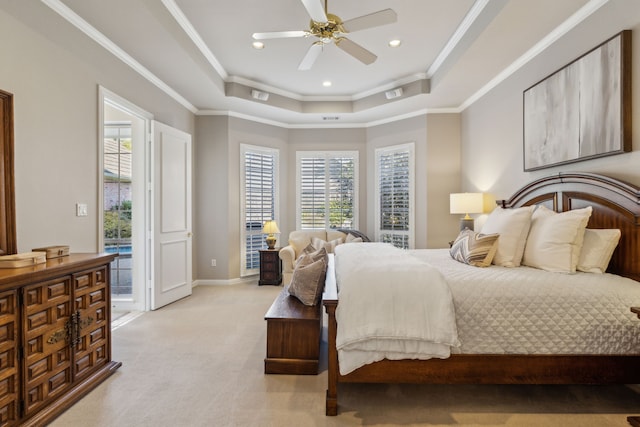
<point>293,337</point>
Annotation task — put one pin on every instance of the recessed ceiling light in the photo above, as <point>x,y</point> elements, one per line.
<point>326,83</point>
<point>395,43</point>
<point>258,45</point>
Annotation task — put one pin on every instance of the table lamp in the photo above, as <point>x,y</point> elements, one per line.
<point>466,203</point>
<point>270,228</point>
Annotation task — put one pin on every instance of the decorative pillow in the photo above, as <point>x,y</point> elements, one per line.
<point>307,281</point>
<point>352,239</point>
<point>597,249</point>
<point>329,246</point>
<point>555,239</point>
<point>513,226</point>
<point>311,252</point>
<point>474,248</point>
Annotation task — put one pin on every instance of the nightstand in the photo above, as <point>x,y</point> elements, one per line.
<point>270,267</point>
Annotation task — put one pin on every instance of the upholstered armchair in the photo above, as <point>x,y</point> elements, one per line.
<point>300,239</point>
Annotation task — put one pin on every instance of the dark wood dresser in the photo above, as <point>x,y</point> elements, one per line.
<point>270,267</point>
<point>55,336</point>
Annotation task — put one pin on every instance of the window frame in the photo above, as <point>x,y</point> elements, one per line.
<point>379,152</point>
<point>264,151</point>
<point>327,156</point>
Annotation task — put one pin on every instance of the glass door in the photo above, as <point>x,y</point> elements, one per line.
<point>117,205</point>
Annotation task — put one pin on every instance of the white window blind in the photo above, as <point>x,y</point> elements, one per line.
<point>394,195</point>
<point>327,189</point>
<point>259,201</point>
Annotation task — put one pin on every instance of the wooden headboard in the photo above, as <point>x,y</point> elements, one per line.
<point>616,204</point>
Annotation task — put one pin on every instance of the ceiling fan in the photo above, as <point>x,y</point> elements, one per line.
<point>329,28</point>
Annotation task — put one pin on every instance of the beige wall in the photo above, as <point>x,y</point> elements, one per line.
<point>217,192</point>
<point>54,77</point>
<point>217,161</point>
<point>437,171</point>
<point>443,177</point>
<point>492,127</point>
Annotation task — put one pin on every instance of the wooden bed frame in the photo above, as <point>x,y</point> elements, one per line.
<point>616,204</point>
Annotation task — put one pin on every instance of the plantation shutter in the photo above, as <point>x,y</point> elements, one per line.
<point>327,190</point>
<point>259,172</point>
<point>312,192</point>
<point>395,196</point>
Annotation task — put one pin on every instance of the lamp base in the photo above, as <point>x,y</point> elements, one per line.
<point>271,242</point>
<point>466,223</point>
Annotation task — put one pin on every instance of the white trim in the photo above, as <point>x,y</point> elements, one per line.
<point>140,271</point>
<point>114,49</point>
<point>186,26</point>
<point>410,147</point>
<point>583,13</point>
<point>462,29</point>
<point>227,282</point>
<point>537,49</point>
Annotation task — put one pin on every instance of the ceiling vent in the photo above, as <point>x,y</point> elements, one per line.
<point>394,93</point>
<point>330,118</point>
<point>259,95</point>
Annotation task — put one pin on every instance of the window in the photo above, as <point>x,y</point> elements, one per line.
<point>394,195</point>
<point>259,186</point>
<point>327,192</point>
<point>117,205</point>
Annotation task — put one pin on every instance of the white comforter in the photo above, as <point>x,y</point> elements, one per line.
<point>391,306</point>
<point>525,310</point>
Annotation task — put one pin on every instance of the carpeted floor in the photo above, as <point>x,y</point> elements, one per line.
<point>199,362</point>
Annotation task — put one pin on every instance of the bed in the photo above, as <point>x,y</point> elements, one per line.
<point>615,205</point>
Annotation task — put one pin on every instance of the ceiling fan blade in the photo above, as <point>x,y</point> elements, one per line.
<point>355,50</point>
<point>279,35</point>
<point>315,10</point>
<point>382,17</point>
<point>311,56</point>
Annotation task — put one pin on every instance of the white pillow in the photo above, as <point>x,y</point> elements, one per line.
<point>597,249</point>
<point>329,246</point>
<point>513,226</point>
<point>555,239</point>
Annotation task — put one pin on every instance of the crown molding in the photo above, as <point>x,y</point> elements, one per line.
<point>74,19</point>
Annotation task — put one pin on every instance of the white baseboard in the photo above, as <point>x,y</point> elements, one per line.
<point>226,282</point>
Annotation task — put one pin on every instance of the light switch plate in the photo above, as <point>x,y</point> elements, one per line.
<point>81,209</point>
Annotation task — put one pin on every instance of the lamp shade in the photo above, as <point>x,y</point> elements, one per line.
<point>270,227</point>
<point>466,203</point>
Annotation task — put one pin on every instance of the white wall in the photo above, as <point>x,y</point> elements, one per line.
<point>54,72</point>
<point>492,127</point>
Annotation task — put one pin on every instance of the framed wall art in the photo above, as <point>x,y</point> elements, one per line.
<point>581,111</point>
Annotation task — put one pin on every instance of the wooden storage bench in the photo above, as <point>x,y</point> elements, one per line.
<point>293,336</point>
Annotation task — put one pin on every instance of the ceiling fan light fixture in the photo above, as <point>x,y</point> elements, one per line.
<point>327,83</point>
<point>258,45</point>
<point>395,43</point>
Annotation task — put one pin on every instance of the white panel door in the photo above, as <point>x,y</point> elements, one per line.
<point>172,251</point>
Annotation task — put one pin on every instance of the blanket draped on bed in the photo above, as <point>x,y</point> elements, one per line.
<point>391,306</point>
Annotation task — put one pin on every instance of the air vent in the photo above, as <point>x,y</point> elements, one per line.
<point>330,118</point>
<point>390,94</point>
<point>259,95</point>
